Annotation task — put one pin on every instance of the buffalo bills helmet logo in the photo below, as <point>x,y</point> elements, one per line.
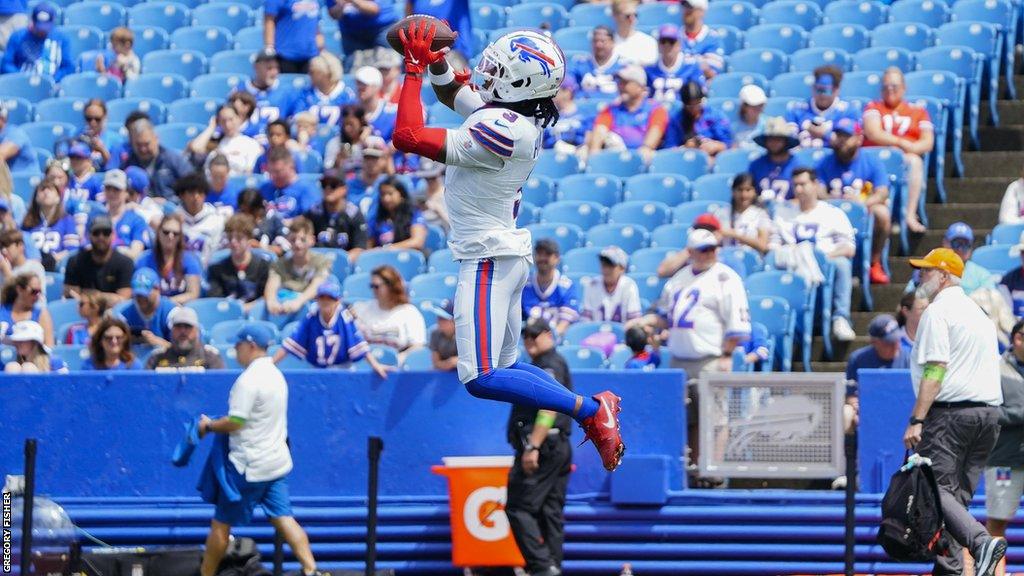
<point>528,50</point>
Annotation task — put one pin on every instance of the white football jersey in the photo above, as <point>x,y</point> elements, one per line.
<point>619,305</point>
<point>824,225</point>
<point>704,309</point>
<point>489,159</point>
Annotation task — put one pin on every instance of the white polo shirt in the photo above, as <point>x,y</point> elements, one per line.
<point>260,397</point>
<point>955,330</point>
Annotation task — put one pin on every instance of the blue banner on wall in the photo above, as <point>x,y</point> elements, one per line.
<point>886,399</point>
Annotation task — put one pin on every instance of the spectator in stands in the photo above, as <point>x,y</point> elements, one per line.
<point>850,175</point>
<point>697,125</point>
<point>668,74</point>
<point>751,118</point>
<point>289,195</point>
<point>548,294</point>
<point>397,224</point>
<point>95,133</point>
<point>131,232</point>
<point>704,308</point>
<point>380,113</point>
<point>326,94</point>
<point>909,315</point>
<point>389,318</point>
<point>749,224</point>
<point>363,23</point>
<point>179,268</point>
<point>291,28</point>
<point>185,351</point>
<point>98,266</point>
<point>374,169</point>
<point>56,173</point>
<point>12,257</point>
<point>163,166</point>
<point>700,40</point>
<point>573,123</point>
<point>595,74</point>
<point>773,170</point>
<point>269,232</point>
<point>243,274</point>
<point>432,204</point>
<point>444,354</point>
<point>203,224</point>
<point>220,193</point>
<point>885,350</point>
<point>1011,210</point>
<point>390,64</point>
<point>892,121</point>
<point>960,238</point>
<point>273,100</point>
<point>39,49</point>
<point>15,204</point>
<point>50,229</point>
<point>295,277</point>
<point>634,44</point>
<point>674,261</point>
<point>92,308</point>
<point>139,200</point>
<point>337,222</point>
<point>148,312</point>
<point>119,154</point>
<point>84,183</point>
<point>15,147</point>
<point>1012,283</point>
<point>306,135</point>
<point>613,296</point>
<point>120,61</point>
<point>12,18</point>
<point>633,122</point>
<point>816,116</point>
<point>223,135</point>
<point>32,355</point>
<point>22,299</point>
<point>345,152</point>
<point>645,346</point>
<point>245,104</point>
<point>111,349</point>
<point>329,322</point>
<point>829,229</point>
<point>1005,466</point>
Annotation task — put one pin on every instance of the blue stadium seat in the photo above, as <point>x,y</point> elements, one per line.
<point>738,13</point>
<point>28,86</point>
<point>766,61</point>
<point>418,360</point>
<point>82,38</point>
<point>999,13</point>
<point>743,260</point>
<point>486,16</point>
<point>408,262</point>
<point>797,294</point>
<point>159,13</point>
<point>1006,234</point>
<point>193,109</point>
<point>579,331</point>
<point>208,40</point>
<point>591,15</point>
<point>229,15</point>
<point>775,314</point>
<point>528,214</point>
<point>780,106</point>
<point>649,285</point>
<point>969,66</point>
<point>736,160</point>
<point>385,355</point>
<point>103,15</point>
<point>728,85</point>
<point>792,85</point>
<point>913,37</point>
<point>119,109</point>
<point>657,187</point>
<point>687,211</point>
<point>89,85</point>
<point>730,107</point>
<point>878,59</point>
<point>574,38</point>
<point>176,136</point>
<point>43,158</point>
<point>54,287</point>
<point>952,92</point>
<point>646,260</point>
<point>555,165</point>
<point>149,39</point>
<point>584,214</point>
<point>216,85</point>
<point>863,224</point>
<point>356,287</point>
<point>338,259</point>
<point>582,357</point>
<point>997,259</point>
<point>785,37</point>
<point>567,4</point>
<point>63,311</point>
<point>932,13</point>
<point>671,235</point>
<point>230,357</point>
<point>605,189</point>
<point>582,260</point>
<point>730,38</point>
<point>19,110</point>
<point>163,87</point>
<point>983,38</point>
<point>225,333</point>
<point>644,213</point>
<point>807,15</point>
<point>622,164</point>
<point>568,236</point>
<point>848,37</point>
<point>543,15</point>
<point>46,135</point>
<point>690,164</point>
<point>867,13</point>
<point>215,310</point>
<point>72,354</point>
<point>808,59</point>
<point>866,86</point>
<point>629,237</point>
<point>655,14</point>
<point>250,38</point>
<point>24,185</point>
<point>187,63</point>
<point>66,110</point>
<point>441,261</point>
<point>713,188</point>
<point>435,286</point>
<point>539,190</point>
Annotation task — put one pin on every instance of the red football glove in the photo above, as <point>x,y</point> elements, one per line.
<point>463,76</point>
<point>416,42</point>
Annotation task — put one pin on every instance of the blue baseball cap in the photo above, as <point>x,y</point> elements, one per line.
<point>959,230</point>
<point>79,150</point>
<point>885,327</point>
<point>144,281</point>
<point>44,15</point>
<point>330,288</point>
<point>254,333</point>
<point>138,179</point>
<point>846,126</point>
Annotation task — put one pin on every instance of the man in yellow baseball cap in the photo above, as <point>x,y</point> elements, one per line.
<point>942,259</point>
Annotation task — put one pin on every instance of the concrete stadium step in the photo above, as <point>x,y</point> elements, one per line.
<point>823,367</point>
<point>989,164</point>
<point>920,244</point>
<point>1010,112</point>
<point>886,296</point>
<point>862,319</point>
<point>1006,136</point>
<point>840,350</point>
<point>976,189</point>
<point>977,214</point>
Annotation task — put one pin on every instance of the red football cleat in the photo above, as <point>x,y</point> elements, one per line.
<point>603,430</point>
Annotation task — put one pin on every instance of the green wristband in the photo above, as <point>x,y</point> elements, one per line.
<point>545,419</point>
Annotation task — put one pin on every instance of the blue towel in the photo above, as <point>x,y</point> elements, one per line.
<point>217,475</point>
<point>183,451</point>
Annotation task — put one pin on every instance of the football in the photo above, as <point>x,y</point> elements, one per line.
<point>444,37</point>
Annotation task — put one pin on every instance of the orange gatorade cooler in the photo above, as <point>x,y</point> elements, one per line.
<point>477,489</point>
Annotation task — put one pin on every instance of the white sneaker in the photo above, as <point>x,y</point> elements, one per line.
<point>842,330</point>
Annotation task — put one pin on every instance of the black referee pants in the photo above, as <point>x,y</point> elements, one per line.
<point>535,502</point>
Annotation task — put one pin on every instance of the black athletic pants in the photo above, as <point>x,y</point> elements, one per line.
<point>535,503</point>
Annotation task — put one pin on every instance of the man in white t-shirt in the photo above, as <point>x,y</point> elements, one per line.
<point>612,297</point>
<point>258,459</point>
<point>954,365</point>
<point>631,43</point>
<point>829,229</point>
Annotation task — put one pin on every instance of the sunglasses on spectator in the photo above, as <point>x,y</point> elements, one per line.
<point>629,16</point>
<point>171,233</point>
<point>375,286</point>
<point>667,40</point>
<point>706,249</point>
<point>35,291</point>
<point>113,337</point>
<point>94,118</point>
<point>890,87</point>
<point>102,232</point>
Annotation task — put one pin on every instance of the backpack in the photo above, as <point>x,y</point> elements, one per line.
<point>242,559</point>
<point>912,527</point>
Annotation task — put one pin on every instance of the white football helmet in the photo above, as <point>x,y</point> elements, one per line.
<point>521,65</point>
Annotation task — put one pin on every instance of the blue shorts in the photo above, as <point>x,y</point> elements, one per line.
<point>272,495</point>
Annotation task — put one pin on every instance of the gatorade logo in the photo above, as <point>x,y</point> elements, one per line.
<point>484,514</point>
